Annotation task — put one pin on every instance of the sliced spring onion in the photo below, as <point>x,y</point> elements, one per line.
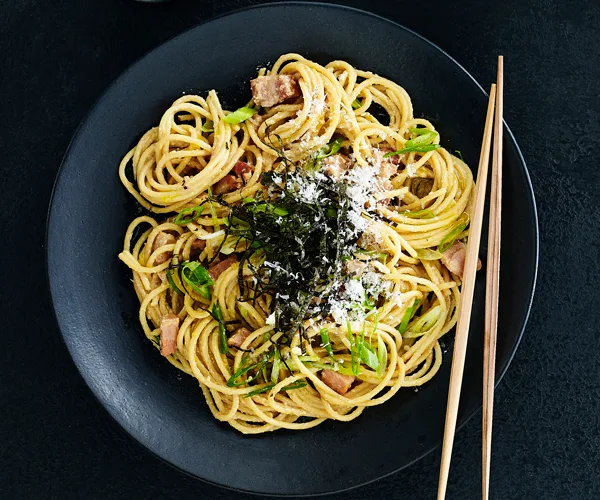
<point>452,236</point>
<point>419,214</point>
<point>223,347</point>
<point>260,390</point>
<point>428,254</point>
<point>459,154</point>
<point>381,355</point>
<point>188,215</point>
<point>242,371</point>
<point>299,384</point>
<point>239,115</point>
<point>308,359</point>
<point>334,368</point>
<point>353,350</point>
<point>368,355</point>
<point>427,321</point>
<point>213,210</point>
<point>208,126</point>
<point>231,244</point>
<point>327,343</point>
<point>332,148</point>
<point>276,366</point>
<point>419,144</point>
<point>171,281</point>
<point>197,277</point>
<point>408,314</point>
<point>356,104</point>
<point>232,382</point>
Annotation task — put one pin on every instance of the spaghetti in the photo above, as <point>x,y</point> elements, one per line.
<point>304,257</point>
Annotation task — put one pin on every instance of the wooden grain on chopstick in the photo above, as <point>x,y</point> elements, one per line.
<point>466,301</point>
<point>492,288</point>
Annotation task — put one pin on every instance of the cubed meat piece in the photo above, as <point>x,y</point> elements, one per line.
<point>227,184</point>
<point>161,240</point>
<point>338,382</point>
<point>169,328</point>
<point>454,258</point>
<point>237,339</point>
<point>241,167</point>
<point>274,89</point>
<point>218,269</point>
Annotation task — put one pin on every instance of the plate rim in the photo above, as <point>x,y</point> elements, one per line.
<point>61,170</point>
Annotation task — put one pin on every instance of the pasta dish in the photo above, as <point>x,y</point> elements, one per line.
<point>301,256</point>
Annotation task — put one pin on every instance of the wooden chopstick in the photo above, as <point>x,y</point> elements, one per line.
<point>468,285</point>
<point>492,288</point>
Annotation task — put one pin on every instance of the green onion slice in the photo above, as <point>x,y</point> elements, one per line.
<point>419,144</point>
<point>353,350</point>
<point>327,343</point>
<point>239,115</point>
<point>425,322</point>
<point>452,236</point>
<point>188,215</point>
<point>428,254</point>
<point>223,347</point>
<point>276,366</point>
<point>197,277</point>
<point>382,355</point>
<point>408,314</point>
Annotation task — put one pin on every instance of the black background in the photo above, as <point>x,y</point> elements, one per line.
<point>56,57</point>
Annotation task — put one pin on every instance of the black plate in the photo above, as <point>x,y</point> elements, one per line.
<point>97,309</point>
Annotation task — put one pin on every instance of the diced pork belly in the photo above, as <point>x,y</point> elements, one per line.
<point>161,240</point>
<point>218,269</point>
<point>241,167</point>
<point>227,184</point>
<point>454,258</point>
<point>237,339</point>
<point>338,382</point>
<point>169,328</point>
<point>274,89</point>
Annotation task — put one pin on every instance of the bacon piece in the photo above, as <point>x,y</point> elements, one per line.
<point>338,382</point>
<point>169,328</point>
<point>241,167</point>
<point>336,165</point>
<point>237,339</point>
<point>198,245</point>
<point>273,89</point>
<point>161,240</point>
<point>218,269</point>
<point>227,184</point>
<point>454,258</point>
<point>196,248</point>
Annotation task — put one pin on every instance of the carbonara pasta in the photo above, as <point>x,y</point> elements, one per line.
<point>301,256</point>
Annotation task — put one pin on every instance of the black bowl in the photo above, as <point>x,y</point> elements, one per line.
<point>96,307</point>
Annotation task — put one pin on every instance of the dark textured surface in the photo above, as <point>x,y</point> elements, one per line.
<point>55,60</point>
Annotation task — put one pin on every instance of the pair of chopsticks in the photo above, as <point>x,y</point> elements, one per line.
<point>491,295</point>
